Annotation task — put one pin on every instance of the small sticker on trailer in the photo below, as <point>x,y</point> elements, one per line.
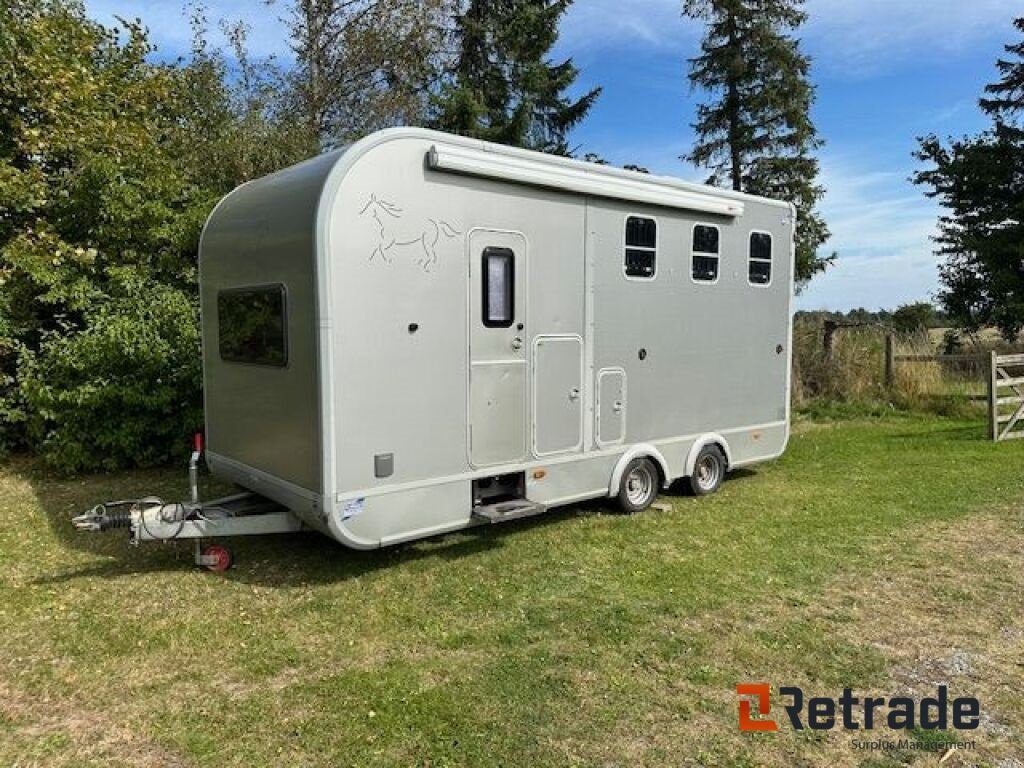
<point>352,508</point>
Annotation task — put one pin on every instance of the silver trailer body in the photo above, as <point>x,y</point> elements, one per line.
<point>389,328</point>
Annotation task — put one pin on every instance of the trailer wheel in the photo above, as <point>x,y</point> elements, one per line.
<point>638,487</point>
<point>708,471</point>
<point>222,559</point>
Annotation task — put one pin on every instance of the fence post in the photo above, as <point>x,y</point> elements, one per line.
<point>890,360</point>
<point>828,338</point>
<point>993,394</point>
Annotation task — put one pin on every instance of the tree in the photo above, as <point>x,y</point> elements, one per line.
<point>109,166</point>
<point>1006,96</point>
<point>913,318</point>
<point>755,132</point>
<point>236,124</point>
<point>980,182</point>
<point>503,87</point>
<point>362,65</point>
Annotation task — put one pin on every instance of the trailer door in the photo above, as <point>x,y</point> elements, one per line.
<point>557,394</point>
<point>497,348</point>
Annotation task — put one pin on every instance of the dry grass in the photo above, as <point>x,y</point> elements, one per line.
<point>853,378</point>
<point>948,609</point>
<point>879,555</point>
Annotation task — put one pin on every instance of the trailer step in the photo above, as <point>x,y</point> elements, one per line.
<point>503,511</point>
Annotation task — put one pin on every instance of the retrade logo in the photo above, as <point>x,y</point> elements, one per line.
<point>822,713</point>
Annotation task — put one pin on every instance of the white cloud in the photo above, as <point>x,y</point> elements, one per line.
<point>852,37</point>
<point>594,25</point>
<point>170,31</point>
<point>866,36</point>
<point>873,283</point>
<point>881,227</point>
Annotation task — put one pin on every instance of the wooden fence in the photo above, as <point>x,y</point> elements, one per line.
<point>1005,374</point>
<point>1006,396</point>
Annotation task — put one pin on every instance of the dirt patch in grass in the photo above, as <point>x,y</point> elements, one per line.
<point>57,731</point>
<point>943,607</point>
<point>952,613</point>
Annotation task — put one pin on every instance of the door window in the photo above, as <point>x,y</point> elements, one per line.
<point>499,287</point>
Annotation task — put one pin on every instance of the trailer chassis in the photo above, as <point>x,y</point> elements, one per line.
<point>152,519</point>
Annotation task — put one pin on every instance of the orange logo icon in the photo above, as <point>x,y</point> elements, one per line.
<point>763,693</point>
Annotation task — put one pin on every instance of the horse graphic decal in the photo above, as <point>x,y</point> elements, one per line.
<point>395,233</point>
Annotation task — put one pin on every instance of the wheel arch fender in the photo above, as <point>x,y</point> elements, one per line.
<point>711,438</point>
<point>639,451</point>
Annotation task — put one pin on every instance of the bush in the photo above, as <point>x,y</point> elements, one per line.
<point>852,381</point>
<point>852,374</point>
<point>123,391</point>
<point>110,162</point>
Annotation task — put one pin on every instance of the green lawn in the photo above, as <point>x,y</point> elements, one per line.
<point>880,555</point>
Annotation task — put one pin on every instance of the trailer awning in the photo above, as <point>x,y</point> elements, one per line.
<point>549,172</point>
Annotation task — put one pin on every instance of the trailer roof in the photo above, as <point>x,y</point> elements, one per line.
<point>448,153</point>
<point>473,157</point>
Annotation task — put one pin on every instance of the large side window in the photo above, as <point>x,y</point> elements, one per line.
<point>641,247</point>
<point>760,263</point>
<point>499,276</point>
<point>252,324</point>
<point>706,245</point>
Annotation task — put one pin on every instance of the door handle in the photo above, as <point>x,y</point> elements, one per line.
<point>574,394</point>
<point>617,406</point>
<point>517,343</point>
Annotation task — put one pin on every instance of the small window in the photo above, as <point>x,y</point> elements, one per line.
<point>641,247</point>
<point>760,269</point>
<point>499,278</point>
<point>705,253</point>
<point>252,326</point>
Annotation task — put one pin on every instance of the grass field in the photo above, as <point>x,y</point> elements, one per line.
<point>881,555</point>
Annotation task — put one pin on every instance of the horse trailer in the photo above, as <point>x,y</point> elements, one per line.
<point>422,333</point>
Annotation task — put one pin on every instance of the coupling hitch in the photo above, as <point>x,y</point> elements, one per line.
<point>130,514</point>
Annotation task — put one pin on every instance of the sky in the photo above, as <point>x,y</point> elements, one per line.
<point>886,72</point>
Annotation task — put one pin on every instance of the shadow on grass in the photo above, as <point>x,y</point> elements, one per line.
<point>681,488</point>
<point>279,560</point>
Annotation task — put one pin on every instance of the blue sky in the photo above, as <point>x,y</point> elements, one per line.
<point>886,71</point>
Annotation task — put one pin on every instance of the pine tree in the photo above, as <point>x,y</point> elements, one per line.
<point>1006,97</point>
<point>980,183</point>
<point>755,132</point>
<point>503,87</point>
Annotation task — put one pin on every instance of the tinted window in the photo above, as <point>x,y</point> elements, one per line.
<point>760,272</point>
<point>641,233</point>
<point>252,325</point>
<point>641,247</point>
<point>705,239</point>
<point>761,246</point>
<point>705,253</point>
<point>760,265</point>
<point>499,276</point>
<point>705,268</point>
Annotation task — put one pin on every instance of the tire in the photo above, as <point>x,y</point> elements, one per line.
<point>638,487</point>
<point>708,471</point>
<point>224,558</point>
